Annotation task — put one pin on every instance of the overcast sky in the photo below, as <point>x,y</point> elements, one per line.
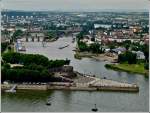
<point>76,5</point>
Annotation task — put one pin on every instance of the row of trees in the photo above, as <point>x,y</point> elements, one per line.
<point>27,59</point>
<point>35,67</point>
<point>94,48</point>
<point>25,75</point>
<point>31,73</point>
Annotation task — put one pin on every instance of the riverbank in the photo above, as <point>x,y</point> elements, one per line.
<point>131,68</point>
<point>80,83</point>
<point>101,57</point>
<point>60,86</point>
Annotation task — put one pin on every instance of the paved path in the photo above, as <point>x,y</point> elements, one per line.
<point>86,81</point>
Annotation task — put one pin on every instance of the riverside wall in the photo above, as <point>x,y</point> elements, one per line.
<point>63,87</point>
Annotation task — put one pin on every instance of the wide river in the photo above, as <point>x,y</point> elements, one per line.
<point>79,101</point>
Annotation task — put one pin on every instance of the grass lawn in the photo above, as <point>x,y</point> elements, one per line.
<point>80,55</point>
<point>133,68</point>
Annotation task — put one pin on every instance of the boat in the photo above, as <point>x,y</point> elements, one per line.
<point>48,103</point>
<point>95,109</point>
<point>63,47</point>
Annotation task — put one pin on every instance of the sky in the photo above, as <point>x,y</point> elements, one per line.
<point>75,5</point>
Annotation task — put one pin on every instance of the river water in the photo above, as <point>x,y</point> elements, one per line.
<point>79,101</point>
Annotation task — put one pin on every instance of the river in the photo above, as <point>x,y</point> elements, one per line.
<point>79,101</point>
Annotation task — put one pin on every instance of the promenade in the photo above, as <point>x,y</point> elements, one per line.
<point>86,81</point>
<point>80,83</point>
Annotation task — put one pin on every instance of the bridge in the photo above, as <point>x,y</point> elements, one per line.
<point>64,31</point>
<point>35,39</point>
<point>39,36</point>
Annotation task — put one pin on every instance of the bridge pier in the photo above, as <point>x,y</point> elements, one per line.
<point>27,39</point>
<point>32,39</point>
<point>38,38</point>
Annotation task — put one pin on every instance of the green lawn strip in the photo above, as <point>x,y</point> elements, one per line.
<point>80,55</point>
<point>132,68</point>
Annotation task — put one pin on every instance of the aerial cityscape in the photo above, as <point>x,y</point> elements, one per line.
<point>74,61</point>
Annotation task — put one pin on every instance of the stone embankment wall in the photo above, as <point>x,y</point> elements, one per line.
<point>25,86</point>
<point>68,86</point>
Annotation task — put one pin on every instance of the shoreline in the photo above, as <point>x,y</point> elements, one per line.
<point>48,87</point>
<point>82,83</point>
<point>101,57</point>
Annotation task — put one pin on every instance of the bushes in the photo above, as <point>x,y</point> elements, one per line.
<point>82,46</point>
<point>107,65</point>
<point>56,63</point>
<point>146,66</point>
<point>110,66</point>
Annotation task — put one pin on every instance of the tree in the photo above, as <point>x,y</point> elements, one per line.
<point>127,46</point>
<point>112,46</point>
<point>146,66</point>
<point>52,34</point>
<point>145,49</point>
<point>16,34</point>
<point>93,39</point>
<point>4,46</point>
<point>135,48</point>
<point>11,57</point>
<point>5,65</point>
<point>131,57</point>
<point>127,57</point>
<point>82,46</point>
<point>96,48</point>
<point>80,36</point>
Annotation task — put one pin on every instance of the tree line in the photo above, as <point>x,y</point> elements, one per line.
<point>82,46</point>
<point>35,67</point>
<point>27,59</point>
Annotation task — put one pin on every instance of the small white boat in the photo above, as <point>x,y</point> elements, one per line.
<point>63,47</point>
